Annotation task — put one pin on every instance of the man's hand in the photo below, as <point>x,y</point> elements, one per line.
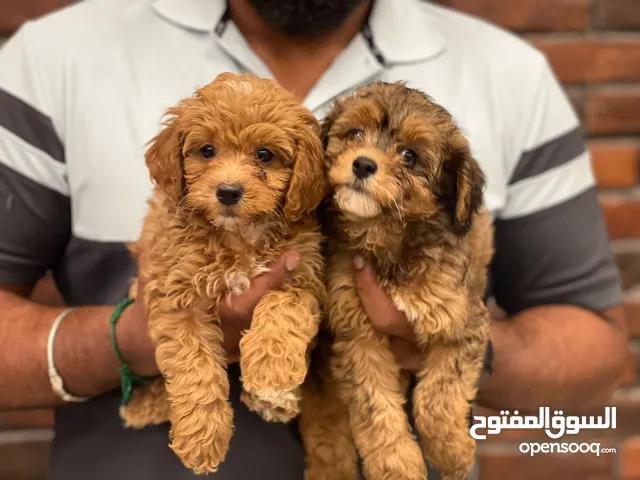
<point>237,313</point>
<point>132,329</point>
<point>386,318</point>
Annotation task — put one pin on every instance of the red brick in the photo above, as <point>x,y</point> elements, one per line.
<point>24,460</point>
<point>13,14</point>
<point>24,419</point>
<point>617,14</point>
<point>613,110</point>
<point>630,459</point>
<point>628,262</point>
<point>627,414</point>
<point>529,15</point>
<point>499,464</point>
<point>615,164</point>
<point>622,217</point>
<point>580,60</point>
<point>577,95</point>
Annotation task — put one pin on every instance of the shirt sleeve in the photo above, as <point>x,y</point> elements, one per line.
<point>551,242</point>
<point>34,193</point>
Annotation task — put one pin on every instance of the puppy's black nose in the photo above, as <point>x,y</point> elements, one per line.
<point>364,167</point>
<point>229,194</point>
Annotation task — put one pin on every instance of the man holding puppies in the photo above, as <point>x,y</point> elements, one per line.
<point>82,90</point>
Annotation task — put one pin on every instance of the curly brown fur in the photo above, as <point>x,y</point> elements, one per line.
<point>201,250</point>
<point>324,420</point>
<point>419,221</point>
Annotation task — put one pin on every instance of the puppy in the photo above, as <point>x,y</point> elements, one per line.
<point>407,196</point>
<point>238,174</point>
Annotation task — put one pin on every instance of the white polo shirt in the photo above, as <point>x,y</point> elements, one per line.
<point>82,91</point>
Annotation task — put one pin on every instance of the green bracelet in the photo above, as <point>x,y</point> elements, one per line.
<point>127,376</point>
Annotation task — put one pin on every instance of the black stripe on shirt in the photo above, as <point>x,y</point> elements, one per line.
<point>554,153</point>
<point>559,255</point>
<point>95,272</point>
<point>35,224</point>
<point>29,124</point>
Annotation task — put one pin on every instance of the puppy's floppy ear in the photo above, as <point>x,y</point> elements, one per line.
<point>328,121</point>
<point>164,158</point>
<point>308,185</point>
<point>462,184</point>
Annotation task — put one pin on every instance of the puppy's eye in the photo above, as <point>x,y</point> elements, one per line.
<point>355,134</point>
<point>208,151</point>
<point>409,156</point>
<point>264,155</point>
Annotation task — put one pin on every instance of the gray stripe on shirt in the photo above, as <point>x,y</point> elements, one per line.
<point>30,125</point>
<point>553,153</point>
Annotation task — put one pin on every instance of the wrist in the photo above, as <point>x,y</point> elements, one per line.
<point>55,379</point>
<point>133,342</point>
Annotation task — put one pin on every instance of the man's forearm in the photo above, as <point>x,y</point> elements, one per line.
<point>557,356</point>
<point>83,353</point>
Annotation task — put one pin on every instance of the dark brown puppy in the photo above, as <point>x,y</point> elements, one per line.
<point>408,197</point>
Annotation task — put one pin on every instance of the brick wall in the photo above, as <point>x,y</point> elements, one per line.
<point>594,47</point>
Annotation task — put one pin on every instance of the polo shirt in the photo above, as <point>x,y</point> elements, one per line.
<point>83,89</point>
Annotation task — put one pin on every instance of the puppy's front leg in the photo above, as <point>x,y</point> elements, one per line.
<point>445,389</point>
<point>273,353</point>
<point>369,382</point>
<point>190,356</point>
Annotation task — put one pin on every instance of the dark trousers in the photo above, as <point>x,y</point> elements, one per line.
<point>91,443</point>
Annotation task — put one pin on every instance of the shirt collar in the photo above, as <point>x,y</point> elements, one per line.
<point>199,15</point>
<point>402,30</point>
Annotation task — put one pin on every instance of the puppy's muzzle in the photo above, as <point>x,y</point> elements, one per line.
<point>364,167</point>
<point>229,195</point>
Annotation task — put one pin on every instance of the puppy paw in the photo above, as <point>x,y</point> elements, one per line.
<point>149,405</point>
<point>135,417</point>
<point>401,461</point>
<point>273,406</point>
<point>270,367</point>
<point>453,458</point>
<point>238,283</point>
<point>461,474</point>
<point>201,438</point>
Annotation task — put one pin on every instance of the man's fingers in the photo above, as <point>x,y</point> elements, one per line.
<point>380,309</point>
<point>407,354</point>
<point>278,274</point>
<point>262,284</point>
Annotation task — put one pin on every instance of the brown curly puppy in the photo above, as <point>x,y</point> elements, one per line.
<point>238,173</point>
<point>408,197</point>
